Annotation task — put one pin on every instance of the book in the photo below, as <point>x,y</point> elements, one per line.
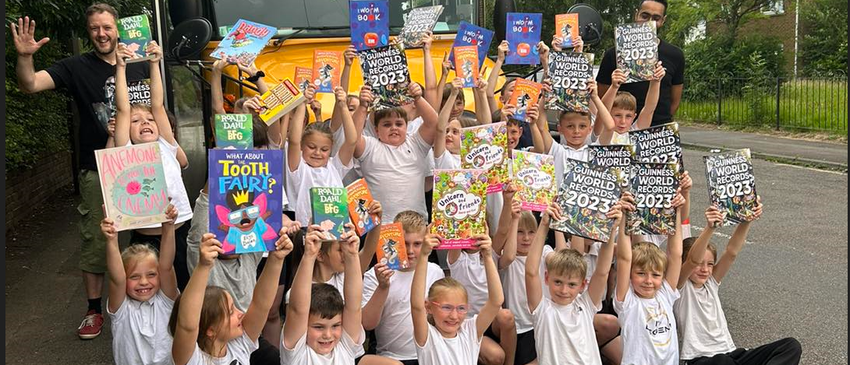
<point>417,23</point>
<point>234,131</point>
<point>659,144</point>
<point>132,181</point>
<point>525,94</point>
<point>472,35</point>
<point>534,174</point>
<point>391,249</point>
<point>566,28</point>
<point>466,65</point>
<point>246,199</point>
<point>459,207</point>
<point>244,42</point>
<point>654,186</point>
<point>135,33</point>
<point>617,156</point>
<point>327,69</point>
<point>139,92</point>
<point>637,50</point>
<point>303,77</point>
<point>732,185</point>
<point>585,195</point>
<point>485,147</point>
<point>370,23</point>
<point>569,72</point>
<point>359,199</point>
<point>522,32</point>
<point>279,100</point>
<point>385,69</point>
<point>330,210</point>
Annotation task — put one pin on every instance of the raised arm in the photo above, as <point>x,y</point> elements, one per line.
<point>432,95</point>
<point>736,243</point>
<point>674,252</point>
<point>158,95</point>
<point>122,97</point>
<point>417,290</point>
<point>216,94</point>
<point>168,281</point>
<point>603,115</point>
<point>264,292</point>
<point>359,116</point>
<point>482,106</point>
<point>533,288</point>
<point>371,312</point>
<point>429,117</point>
<point>543,52</point>
<point>543,127</point>
<point>445,66</point>
<point>599,279</point>
<point>504,242</point>
<point>372,238</point>
<point>346,151</point>
<point>23,35</point>
<point>624,259</point>
<point>443,119</point>
<point>713,218</point>
<point>536,136</point>
<point>192,300</point>
<point>353,286</point>
<point>644,120</point>
<point>114,265</point>
<point>503,50</point>
<point>296,130</point>
<point>495,294</point>
<point>298,310</point>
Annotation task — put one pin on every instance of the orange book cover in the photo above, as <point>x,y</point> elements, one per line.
<point>303,76</point>
<point>391,249</point>
<point>327,67</point>
<point>466,64</point>
<point>525,94</point>
<point>566,28</point>
<point>359,199</point>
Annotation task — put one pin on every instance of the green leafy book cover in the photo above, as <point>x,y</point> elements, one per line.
<point>330,210</point>
<point>135,33</point>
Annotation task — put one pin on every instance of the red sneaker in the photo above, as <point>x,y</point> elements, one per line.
<point>91,325</point>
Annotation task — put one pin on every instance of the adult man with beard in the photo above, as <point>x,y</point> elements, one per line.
<point>90,79</point>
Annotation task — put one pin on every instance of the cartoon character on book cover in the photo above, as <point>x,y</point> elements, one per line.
<point>460,204</point>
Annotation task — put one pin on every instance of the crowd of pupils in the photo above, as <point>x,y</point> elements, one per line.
<point>521,296</point>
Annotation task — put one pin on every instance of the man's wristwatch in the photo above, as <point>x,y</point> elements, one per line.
<point>256,76</point>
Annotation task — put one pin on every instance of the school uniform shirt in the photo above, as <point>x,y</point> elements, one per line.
<point>701,321</point>
<point>469,271</point>
<point>299,182</point>
<point>648,327</point>
<point>238,353</point>
<point>661,240</point>
<point>395,332</point>
<point>564,333</point>
<point>513,282</point>
<point>343,353</point>
<point>140,331</point>
<point>173,181</point>
<point>461,350</point>
<point>561,153</point>
<point>396,174</point>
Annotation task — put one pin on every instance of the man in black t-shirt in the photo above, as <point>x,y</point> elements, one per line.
<point>671,57</point>
<point>90,79</point>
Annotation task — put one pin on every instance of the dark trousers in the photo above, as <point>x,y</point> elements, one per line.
<point>180,235</point>
<point>786,351</point>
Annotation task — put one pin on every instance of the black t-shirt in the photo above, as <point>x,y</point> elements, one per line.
<point>91,81</point>
<point>672,58</point>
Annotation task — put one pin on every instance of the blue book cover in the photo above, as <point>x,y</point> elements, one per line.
<point>244,42</point>
<point>370,24</point>
<point>472,35</point>
<point>246,198</point>
<point>522,32</point>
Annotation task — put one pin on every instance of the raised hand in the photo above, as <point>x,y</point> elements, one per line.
<point>313,242</point>
<point>618,78</point>
<point>122,54</point>
<point>578,45</point>
<point>290,227</point>
<point>375,209</point>
<point>532,113</point>
<point>254,103</point>
<point>557,43</point>
<point>627,202</point>
<point>714,217</point>
<point>23,34</point>
<point>219,65</point>
<point>414,90</point>
<point>553,211</point>
<point>154,49</point>
<point>310,93</point>
<point>484,244</point>
<point>383,274</point>
<point>170,214</point>
<point>446,64</point>
<point>210,249</point>
<point>591,87</point>
<point>659,72</point>
<point>509,189</point>
<point>516,209</point>
<point>251,69</point>
<point>426,41</point>
<point>107,226</point>
<point>349,54</point>
<point>350,241</point>
<point>432,241</point>
<point>366,96</point>
<point>503,49</point>
<point>457,85</point>
<point>542,50</point>
<point>759,208</point>
<point>685,182</point>
<point>508,111</point>
<point>340,95</point>
<point>283,246</point>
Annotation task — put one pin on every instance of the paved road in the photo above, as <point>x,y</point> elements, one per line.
<point>789,281</point>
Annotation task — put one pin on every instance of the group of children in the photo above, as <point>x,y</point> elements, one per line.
<point>513,299</point>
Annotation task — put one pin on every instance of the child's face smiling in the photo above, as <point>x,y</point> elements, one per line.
<point>575,129</point>
<point>623,119</point>
<point>142,278</point>
<point>233,322</point>
<point>322,333</point>
<point>453,137</point>
<point>316,149</point>
<point>392,130</point>
<point>563,289</point>
<point>514,134</point>
<point>143,127</point>
<point>705,269</point>
<point>646,282</point>
<point>448,322</point>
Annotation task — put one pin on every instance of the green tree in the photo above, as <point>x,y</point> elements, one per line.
<point>824,43</point>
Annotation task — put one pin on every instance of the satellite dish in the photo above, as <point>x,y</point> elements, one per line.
<point>589,23</point>
<point>189,38</point>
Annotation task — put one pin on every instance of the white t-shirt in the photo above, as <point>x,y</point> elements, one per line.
<point>701,321</point>
<point>469,271</point>
<point>395,332</point>
<point>564,333</point>
<point>561,153</point>
<point>238,353</point>
<point>396,175</point>
<point>173,181</point>
<point>299,182</point>
<point>649,327</point>
<point>343,353</point>
<point>461,350</point>
<point>661,240</point>
<point>513,282</point>
<point>140,331</point>
<point>448,161</point>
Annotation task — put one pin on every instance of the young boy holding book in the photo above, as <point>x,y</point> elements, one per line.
<point>623,108</point>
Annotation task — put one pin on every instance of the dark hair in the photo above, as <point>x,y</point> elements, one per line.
<point>98,8</point>
<point>172,120</point>
<point>390,112</point>
<point>325,301</point>
<point>260,131</point>
<point>662,2</point>
<point>447,90</point>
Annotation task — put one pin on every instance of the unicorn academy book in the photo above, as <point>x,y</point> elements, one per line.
<point>466,64</point>
<point>330,210</point>
<point>359,199</point>
<point>234,131</point>
<point>522,32</point>
<point>732,185</point>
<point>327,70</point>
<point>133,184</point>
<point>636,50</point>
<point>135,33</point>
<point>485,147</point>
<point>246,199</point>
<point>370,23</point>
<point>391,249</point>
<point>653,186</point>
<point>534,173</point>
<point>459,207</point>
<point>303,77</point>
<point>417,23</point>
<point>385,69</point>
<point>472,35</point>
<point>525,94</point>
<point>244,42</point>
<point>566,28</point>
<point>570,72</point>
<point>586,194</point>
<point>279,100</point>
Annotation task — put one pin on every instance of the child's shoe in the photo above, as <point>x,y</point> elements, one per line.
<point>91,325</point>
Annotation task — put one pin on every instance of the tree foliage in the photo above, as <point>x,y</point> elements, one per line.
<point>824,43</point>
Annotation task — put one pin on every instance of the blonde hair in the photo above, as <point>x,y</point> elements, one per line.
<point>318,128</point>
<point>566,262</point>
<point>214,312</point>
<point>411,221</point>
<point>647,256</point>
<point>467,122</point>
<point>567,115</point>
<point>442,287</point>
<point>527,221</point>
<point>137,251</point>
<point>141,106</point>
<point>625,100</point>
<point>688,243</point>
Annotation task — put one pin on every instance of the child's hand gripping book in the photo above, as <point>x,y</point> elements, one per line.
<point>522,32</point>
<point>244,42</point>
<point>133,185</point>
<point>279,100</point>
<point>569,72</point>
<point>135,33</point>
<point>472,35</point>
<point>391,249</point>
<point>525,94</point>
<point>385,69</point>
<point>459,207</point>
<point>485,147</point>
<point>637,50</point>
<point>330,210</point>
<point>566,28</point>
<point>466,64</point>
<point>327,70</point>
<point>654,186</point>
<point>234,131</point>
<point>418,22</point>
<point>732,185</point>
<point>359,199</point>
<point>587,193</point>
<point>535,175</point>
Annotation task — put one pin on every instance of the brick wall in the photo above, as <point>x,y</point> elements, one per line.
<point>26,190</point>
<point>780,26</point>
